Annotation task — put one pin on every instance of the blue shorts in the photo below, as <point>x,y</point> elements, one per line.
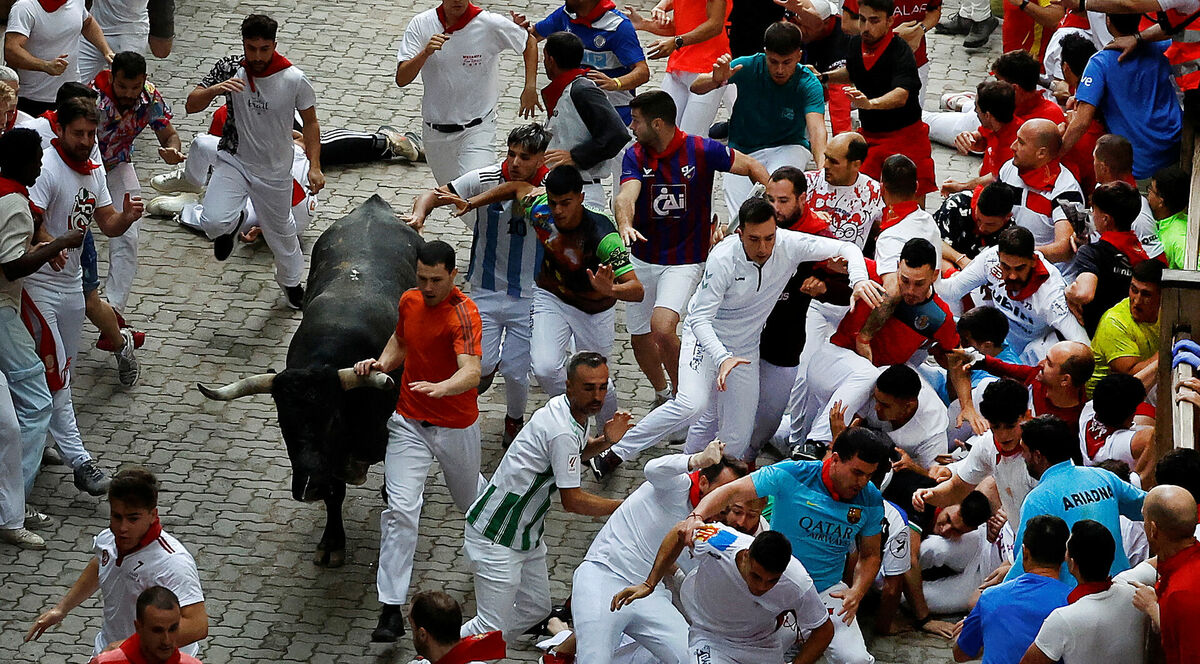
<point>87,259</point>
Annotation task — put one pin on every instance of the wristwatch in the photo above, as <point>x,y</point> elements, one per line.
<point>679,41</point>
<point>823,77</point>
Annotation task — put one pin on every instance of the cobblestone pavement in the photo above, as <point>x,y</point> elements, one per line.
<point>223,466</point>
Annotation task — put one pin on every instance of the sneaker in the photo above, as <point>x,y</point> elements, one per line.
<point>295,296</point>
<point>981,31</point>
<point>955,101</point>
<point>89,478</point>
<point>955,25</point>
<point>223,245</point>
<point>417,142</point>
<point>170,183</point>
<point>808,451</point>
<point>719,131</point>
<point>22,538</point>
<point>604,464</point>
<point>512,426</point>
<point>51,457</point>
<point>139,339</point>
<point>398,144</point>
<point>170,205</point>
<point>127,364</point>
<point>35,520</point>
<point>391,624</point>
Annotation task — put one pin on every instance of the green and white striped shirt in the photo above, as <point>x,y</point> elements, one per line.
<point>545,456</point>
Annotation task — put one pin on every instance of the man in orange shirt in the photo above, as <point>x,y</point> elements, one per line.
<point>437,340</point>
<point>154,642</point>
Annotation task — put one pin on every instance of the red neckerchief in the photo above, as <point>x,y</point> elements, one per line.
<point>812,223</point>
<point>1127,243</point>
<point>103,83</point>
<point>483,647</point>
<point>535,180</point>
<point>9,186</point>
<point>975,200</point>
<point>1075,19</point>
<point>132,648</point>
<point>1167,567</point>
<point>84,167</point>
<point>1042,178</point>
<point>1128,179</point>
<point>1088,588</point>
<point>1037,277</point>
<point>871,53</point>
<point>694,489</point>
<point>52,118</point>
<point>551,93</point>
<point>897,213</point>
<point>51,6</point>
<point>601,8</point>
<point>471,12</point>
<point>827,478</point>
<point>151,535</point>
<point>277,64</point>
<point>651,157</point>
<point>1001,454</point>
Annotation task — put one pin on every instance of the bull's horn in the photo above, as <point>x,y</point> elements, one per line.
<point>376,379</point>
<point>258,384</point>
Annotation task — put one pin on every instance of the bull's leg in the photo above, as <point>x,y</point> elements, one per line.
<point>331,550</point>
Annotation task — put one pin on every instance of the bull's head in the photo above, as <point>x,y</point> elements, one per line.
<point>307,401</point>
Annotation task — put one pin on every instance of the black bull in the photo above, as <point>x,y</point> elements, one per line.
<point>334,423</point>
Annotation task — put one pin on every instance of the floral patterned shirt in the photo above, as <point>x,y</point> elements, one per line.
<point>118,129</point>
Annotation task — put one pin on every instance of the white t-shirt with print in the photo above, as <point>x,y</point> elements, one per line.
<point>853,209</point>
<point>261,115</point>
<point>70,200</point>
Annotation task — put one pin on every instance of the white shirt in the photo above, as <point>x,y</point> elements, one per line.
<point>1133,538</point>
<point>746,628</point>
<point>1012,477</point>
<point>122,17</point>
<point>1110,443</point>
<point>1100,627</point>
<point>1045,212</point>
<point>853,209</point>
<point>897,557</point>
<point>1183,6</point>
<point>891,241</point>
<point>504,248</point>
<point>629,540</point>
<point>259,129</point>
<point>923,436</point>
<point>16,229</point>
<point>461,79</point>
<point>70,201</point>
<point>1146,229</point>
<point>736,295</point>
<point>49,36</point>
<point>163,562</point>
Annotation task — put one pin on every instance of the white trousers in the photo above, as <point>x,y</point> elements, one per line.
<point>738,187</point>
<point>975,10</point>
<point>837,374</point>
<point>945,126</point>
<point>64,313</point>
<point>230,187</point>
<point>512,588</point>
<point>201,158</point>
<point>91,62</point>
<point>12,484</point>
<point>555,325</point>
<point>412,449</point>
<point>847,646</point>
<point>123,249</point>
<point>450,154</point>
<point>665,286</point>
<point>694,114</point>
<point>653,622</point>
<point>506,330</point>
<point>695,394</point>
<point>820,323</point>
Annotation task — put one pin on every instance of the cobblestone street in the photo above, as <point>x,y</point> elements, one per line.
<point>223,466</point>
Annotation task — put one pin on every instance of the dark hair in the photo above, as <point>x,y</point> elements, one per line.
<point>1116,467</point>
<point>655,105</point>
<point>1124,24</point>
<point>532,137</point>
<point>984,323</point>
<point>899,175</point>
<point>72,90</point>
<point>134,486</point>
<point>158,597</point>
<point>438,614</point>
<point>996,98</point>
<point>739,468</point>
<point>782,38</point>
<point>1046,540</point>
<point>793,175</point>
<point>900,381</point>
<point>1116,152</point>
<point>563,180</point>
<point>997,199</point>
<point>565,48</point>
<point>1015,241</point>
<point>975,509</point>
<point>436,252</point>
<point>1092,548</point>
<point>18,147</point>
<point>130,64</point>
<point>755,211</point>
<point>772,550</point>
<point>1116,398</point>
<point>918,252</point>
<point>1174,187</point>
<point>1119,200</point>
<point>588,358</point>
<point>1076,51</point>
<point>857,148</point>
<point>77,108</point>
<point>259,26</point>
<point>885,6</point>
<point>1051,436</point>
<point>1080,368</point>
<point>1180,467</point>
<point>1004,401</point>
<point>1018,68</point>
<point>1149,272</point>
<point>863,444</point>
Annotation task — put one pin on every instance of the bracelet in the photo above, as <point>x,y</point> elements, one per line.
<point>823,77</point>
<point>647,584</point>
<point>1137,37</point>
<point>618,82</point>
<point>924,28</point>
<point>1024,3</point>
<point>693,514</point>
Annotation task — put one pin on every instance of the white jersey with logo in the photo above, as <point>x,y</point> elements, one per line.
<point>70,201</point>
<point>897,556</point>
<point>50,34</point>
<point>854,209</point>
<point>723,612</point>
<point>1108,442</point>
<point>1100,627</point>
<point>1146,229</point>
<point>258,130</point>
<point>1039,210</point>
<point>1012,477</point>
<point>505,252</point>
<point>163,562</point>
<point>891,241</point>
<point>461,79</point>
<point>544,457</point>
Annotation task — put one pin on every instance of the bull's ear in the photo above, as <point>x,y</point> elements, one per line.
<point>376,379</point>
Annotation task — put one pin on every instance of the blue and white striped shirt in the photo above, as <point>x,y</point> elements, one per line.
<point>505,252</point>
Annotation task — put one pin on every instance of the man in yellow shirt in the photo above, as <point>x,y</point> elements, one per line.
<point>1126,338</point>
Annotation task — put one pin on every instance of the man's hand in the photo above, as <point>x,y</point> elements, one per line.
<point>952,186</point>
<point>946,630</point>
<point>44,622</point>
<point>965,142</point>
<point>942,473</point>
<point>132,208</point>
<point>630,595</point>
<point>858,99</point>
<point>850,601</point>
<point>555,158</point>
<point>72,239</point>
<point>522,21</point>
<point>461,205</point>
<point>911,33</point>
<point>906,463</point>
<point>530,103</point>
<point>629,235</point>
<point>718,233</point>
<point>365,367</point>
<point>862,346</point>
<point>602,280</point>
<point>229,86</point>
<point>994,524</point>
<point>435,43</point>
<point>709,456</point>
<point>662,48</point>
<point>56,66</point>
<point>721,71</point>
<point>432,390</point>
<point>414,221</point>
<point>996,576</point>
<point>961,357</point>
<point>1188,390</point>
<point>1125,45</point>
<point>978,423</point>
<point>813,287</point>
<point>919,497</point>
<point>59,261</point>
<point>1144,600</point>
<point>602,80</point>
<point>868,291</point>
<point>171,156</point>
<point>837,420</point>
<point>316,180</point>
<point>728,365</point>
<point>618,426</point>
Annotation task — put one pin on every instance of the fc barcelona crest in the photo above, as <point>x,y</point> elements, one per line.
<point>853,515</point>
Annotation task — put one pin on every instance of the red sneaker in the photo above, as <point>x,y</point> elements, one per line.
<point>139,338</point>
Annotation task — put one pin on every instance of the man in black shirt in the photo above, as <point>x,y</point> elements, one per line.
<point>971,220</point>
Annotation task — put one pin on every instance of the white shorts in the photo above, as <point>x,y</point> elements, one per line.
<point>666,286</point>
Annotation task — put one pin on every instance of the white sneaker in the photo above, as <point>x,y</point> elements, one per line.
<point>35,520</point>
<point>170,205</point>
<point>127,364</point>
<point>169,183</point>
<point>954,101</point>
<point>22,538</point>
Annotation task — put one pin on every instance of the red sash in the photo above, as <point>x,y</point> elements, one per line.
<point>487,646</point>
<point>43,341</point>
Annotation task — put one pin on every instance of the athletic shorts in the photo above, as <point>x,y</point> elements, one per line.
<point>666,286</point>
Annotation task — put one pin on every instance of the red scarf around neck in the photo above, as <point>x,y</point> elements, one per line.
<point>535,180</point>
<point>872,52</point>
<point>601,8</point>
<point>1126,242</point>
<point>277,64</point>
<point>827,478</point>
<point>154,533</point>
<point>897,213</point>
<point>10,186</point>
<point>812,223</point>
<point>1042,178</point>
<point>1037,277</point>
<point>52,118</point>
<point>652,157</point>
<point>84,167</point>
<point>1088,588</point>
<point>51,6</point>
<point>477,647</point>
<point>471,12</point>
<point>553,92</point>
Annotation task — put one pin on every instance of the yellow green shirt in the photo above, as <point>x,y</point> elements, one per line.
<point>1119,336</point>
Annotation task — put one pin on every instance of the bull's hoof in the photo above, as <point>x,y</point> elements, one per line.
<point>329,557</point>
<point>355,472</point>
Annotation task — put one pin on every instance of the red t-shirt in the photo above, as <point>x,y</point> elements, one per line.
<point>1040,107</point>
<point>1027,375</point>
<point>910,329</point>
<point>698,58</point>
<point>1179,604</point>
<point>434,337</point>
<point>998,147</point>
<point>1021,33</point>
